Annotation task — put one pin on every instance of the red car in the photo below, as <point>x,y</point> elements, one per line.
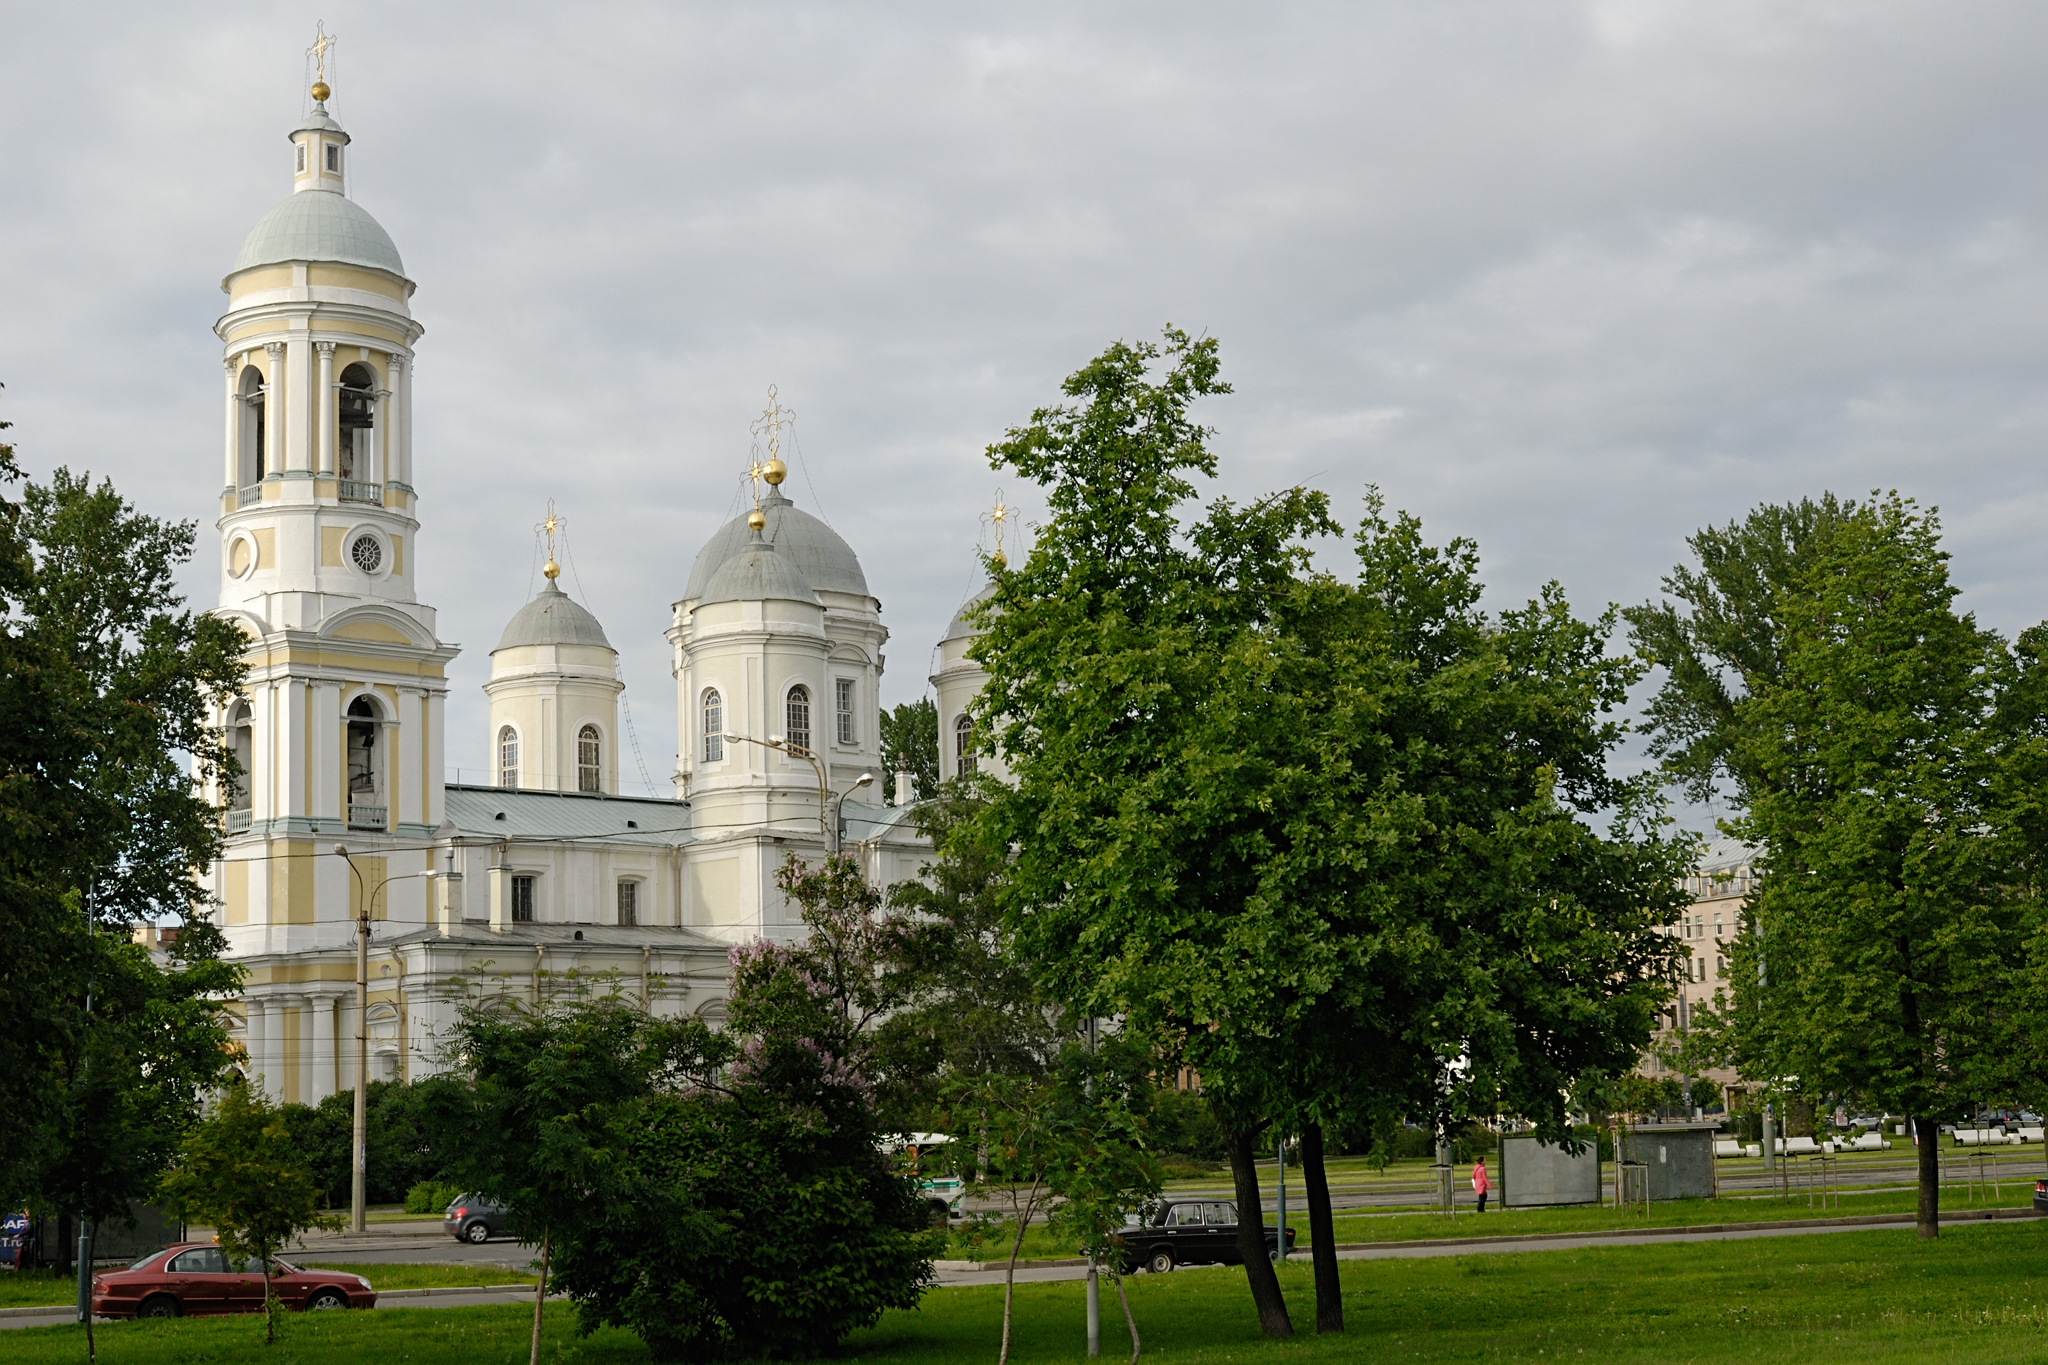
<point>196,1278</point>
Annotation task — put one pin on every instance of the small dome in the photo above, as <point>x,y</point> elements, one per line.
<point>961,628</point>
<point>319,225</point>
<point>757,574</point>
<point>552,618</point>
<point>806,544</point>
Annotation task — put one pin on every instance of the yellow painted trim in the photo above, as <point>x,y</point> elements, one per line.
<point>341,277</point>
<point>374,870</point>
<point>291,884</point>
<point>397,554</point>
<point>325,487</point>
<point>370,630</point>
<point>266,546</point>
<point>330,546</point>
<point>235,892</point>
<point>322,658</point>
<point>272,490</point>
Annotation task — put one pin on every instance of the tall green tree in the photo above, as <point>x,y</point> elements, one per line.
<point>1328,839</point>
<point>1890,771</point>
<point>107,685</point>
<point>910,743</point>
<point>240,1175</point>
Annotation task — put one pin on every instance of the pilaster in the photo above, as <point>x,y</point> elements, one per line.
<point>273,409</point>
<point>324,414</point>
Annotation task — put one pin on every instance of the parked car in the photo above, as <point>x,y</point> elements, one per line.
<point>1188,1232</point>
<point>196,1279</point>
<point>2041,1196</point>
<point>470,1219</point>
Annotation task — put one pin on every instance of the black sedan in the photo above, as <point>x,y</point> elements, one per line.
<point>1188,1232</point>
<point>2041,1196</point>
<point>470,1219</point>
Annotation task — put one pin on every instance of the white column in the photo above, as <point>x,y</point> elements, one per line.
<point>255,1037</point>
<point>321,1077</point>
<point>411,768</point>
<point>273,1050</point>
<point>435,744</point>
<point>292,747</point>
<point>323,749</point>
<point>380,439</point>
<point>298,448</point>
<point>273,410</point>
<point>323,405</point>
<point>234,426</point>
<point>400,408</point>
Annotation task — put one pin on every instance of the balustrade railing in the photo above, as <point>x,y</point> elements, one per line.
<point>353,490</point>
<point>361,816</point>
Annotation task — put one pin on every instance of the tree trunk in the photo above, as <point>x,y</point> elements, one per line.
<point>1322,1232</point>
<point>269,1301</point>
<point>1251,1237</point>
<point>540,1296</point>
<point>1927,1218</point>
<point>1129,1321</point>
<point>1010,1271</point>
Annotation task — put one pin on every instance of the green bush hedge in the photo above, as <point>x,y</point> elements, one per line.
<point>431,1196</point>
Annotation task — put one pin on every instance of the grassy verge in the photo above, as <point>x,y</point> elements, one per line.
<point>45,1288</point>
<point>1978,1295</point>
<point>1674,1213</point>
<point>382,1277</point>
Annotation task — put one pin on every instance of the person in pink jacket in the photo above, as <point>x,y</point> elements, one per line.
<point>1480,1184</point>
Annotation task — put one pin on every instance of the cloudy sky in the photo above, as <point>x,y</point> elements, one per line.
<point>1573,279</point>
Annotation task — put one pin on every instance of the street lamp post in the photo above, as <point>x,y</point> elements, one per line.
<point>838,808</point>
<point>360,1132</point>
<point>828,807</point>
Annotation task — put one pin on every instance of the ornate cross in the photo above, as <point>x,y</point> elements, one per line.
<point>322,42</point>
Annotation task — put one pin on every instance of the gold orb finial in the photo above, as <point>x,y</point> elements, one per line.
<point>757,519</point>
<point>775,471</point>
<point>999,559</point>
<point>320,90</point>
<point>551,569</point>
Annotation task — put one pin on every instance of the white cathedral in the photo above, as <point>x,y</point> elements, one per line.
<point>549,873</point>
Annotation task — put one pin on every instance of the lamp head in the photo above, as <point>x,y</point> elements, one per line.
<point>341,849</point>
<point>865,778</point>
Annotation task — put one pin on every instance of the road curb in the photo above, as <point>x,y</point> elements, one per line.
<point>432,1291</point>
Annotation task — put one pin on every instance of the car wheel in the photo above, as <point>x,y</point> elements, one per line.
<point>161,1306</point>
<point>327,1298</point>
<point>478,1232</point>
<point>1161,1262</point>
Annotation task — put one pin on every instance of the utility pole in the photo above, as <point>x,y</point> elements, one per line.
<point>360,1131</point>
<point>1281,1211</point>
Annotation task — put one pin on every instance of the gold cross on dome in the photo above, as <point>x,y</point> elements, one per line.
<point>322,42</point>
<point>999,514</point>
<point>551,525</point>
<point>770,426</point>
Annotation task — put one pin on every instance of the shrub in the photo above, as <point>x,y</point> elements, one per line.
<point>431,1196</point>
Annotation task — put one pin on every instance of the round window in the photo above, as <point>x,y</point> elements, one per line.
<point>367,553</point>
<point>241,557</point>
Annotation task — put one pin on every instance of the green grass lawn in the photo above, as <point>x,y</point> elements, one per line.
<point>1977,1296</point>
<point>1040,1243</point>
<point>382,1277</point>
<point>1672,1213</point>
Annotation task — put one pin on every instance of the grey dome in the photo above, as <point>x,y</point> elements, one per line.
<point>757,574</point>
<point>806,544</point>
<point>552,619</point>
<point>319,225</point>
<point>961,628</point>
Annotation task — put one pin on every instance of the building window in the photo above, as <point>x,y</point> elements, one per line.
<point>589,771</point>
<point>508,757</point>
<point>964,757</point>
<point>629,903</point>
<point>356,425</point>
<point>799,715</point>
<point>842,701</point>
<point>302,159</point>
<point>334,157</point>
<point>362,751</point>
<point>714,726</point>
<point>252,430</point>
<point>522,899</point>
<point>366,553</point>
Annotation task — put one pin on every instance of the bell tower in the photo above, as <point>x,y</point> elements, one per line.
<point>340,729</point>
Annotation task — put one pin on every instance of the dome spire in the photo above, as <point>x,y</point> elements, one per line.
<point>550,526</point>
<point>998,515</point>
<point>323,43</point>
<point>771,471</point>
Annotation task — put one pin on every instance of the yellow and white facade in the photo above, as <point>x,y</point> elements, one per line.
<point>548,873</point>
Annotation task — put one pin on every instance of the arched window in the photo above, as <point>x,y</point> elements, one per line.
<point>251,432</point>
<point>714,726</point>
<point>355,450</point>
<point>964,758</point>
<point>589,770</point>
<point>508,757</point>
<point>799,714</point>
<point>242,735</point>
<point>365,810</point>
